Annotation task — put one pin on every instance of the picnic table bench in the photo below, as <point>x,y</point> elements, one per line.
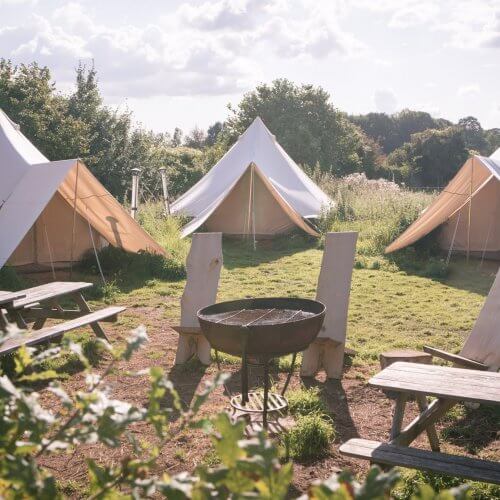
<point>449,386</point>
<point>42,302</point>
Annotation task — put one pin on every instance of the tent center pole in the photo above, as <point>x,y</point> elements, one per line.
<point>73,231</point>
<point>470,209</point>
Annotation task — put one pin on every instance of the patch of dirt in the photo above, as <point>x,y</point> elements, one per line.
<point>357,409</point>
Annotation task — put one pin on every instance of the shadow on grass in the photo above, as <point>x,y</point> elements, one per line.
<point>186,378</point>
<point>473,429</point>
<point>473,276</point>
<point>335,397</point>
<point>240,253</point>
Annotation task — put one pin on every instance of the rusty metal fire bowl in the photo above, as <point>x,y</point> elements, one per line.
<point>258,330</point>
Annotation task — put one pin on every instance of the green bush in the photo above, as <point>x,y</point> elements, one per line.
<point>306,401</point>
<point>310,437</point>
<point>10,280</point>
<point>116,261</point>
<point>436,269</point>
<point>240,467</point>
<point>412,481</point>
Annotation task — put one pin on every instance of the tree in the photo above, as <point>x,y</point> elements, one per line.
<point>473,134</point>
<point>196,138</point>
<point>28,97</point>
<point>304,122</point>
<point>492,137</point>
<point>177,138</point>
<point>213,133</point>
<point>431,158</point>
<point>392,131</point>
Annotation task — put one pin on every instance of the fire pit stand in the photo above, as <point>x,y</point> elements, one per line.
<point>259,330</point>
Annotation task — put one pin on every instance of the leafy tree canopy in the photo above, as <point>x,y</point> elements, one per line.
<point>430,158</point>
<point>307,125</point>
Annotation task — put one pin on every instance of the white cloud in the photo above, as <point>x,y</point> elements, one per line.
<point>414,14</point>
<point>224,14</point>
<point>470,90</point>
<point>131,61</point>
<point>385,101</point>
<point>215,49</point>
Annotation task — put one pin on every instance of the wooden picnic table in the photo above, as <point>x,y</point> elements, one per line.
<point>42,302</point>
<point>449,386</point>
<point>7,300</point>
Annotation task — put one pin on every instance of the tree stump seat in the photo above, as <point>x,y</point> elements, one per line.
<point>409,355</point>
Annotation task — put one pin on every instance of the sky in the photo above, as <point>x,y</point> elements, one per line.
<point>179,63</point>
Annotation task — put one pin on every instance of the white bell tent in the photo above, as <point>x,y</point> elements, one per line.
<point>53,212</point>
<point>255,189</point>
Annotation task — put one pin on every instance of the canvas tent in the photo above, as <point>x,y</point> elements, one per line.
<point>52,212</point>
<point>255,189</point>
<point>467,211</point>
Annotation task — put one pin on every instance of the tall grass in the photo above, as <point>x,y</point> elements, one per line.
<point>379,210</point>
<point>164,229</point>
<point>125,267</point>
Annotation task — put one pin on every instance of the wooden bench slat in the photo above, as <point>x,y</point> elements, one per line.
<point>34,337</point>
<point>8,297</point>
<point>50,291</point>
<point>455,358</point>
<point>430,461</point>
<point>459,384</point>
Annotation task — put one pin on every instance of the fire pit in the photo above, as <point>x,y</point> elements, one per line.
<point>258,330</point>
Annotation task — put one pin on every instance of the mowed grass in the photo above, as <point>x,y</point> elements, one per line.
<point>388,308</point>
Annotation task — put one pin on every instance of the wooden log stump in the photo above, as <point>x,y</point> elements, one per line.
<point>388,357</point>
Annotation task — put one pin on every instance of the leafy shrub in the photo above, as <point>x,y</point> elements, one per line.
<point>306,401</point>
<point>103,291</point>
<point>241,467</point>
<point>9,279</point>
<point>116,261</point>
<point>415,483</point>
<point>310,437</point>
<point>436,269</point>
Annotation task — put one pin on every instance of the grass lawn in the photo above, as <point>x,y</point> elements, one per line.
<point>388,309</point>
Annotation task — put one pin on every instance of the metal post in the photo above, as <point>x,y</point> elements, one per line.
<point>164,183</point>
<point>134,205</point>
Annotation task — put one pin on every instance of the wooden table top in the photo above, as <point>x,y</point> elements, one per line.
<point>458,384</point>
<point>8,297</point>
<point>49,291</point>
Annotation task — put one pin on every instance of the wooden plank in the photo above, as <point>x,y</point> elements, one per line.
<point>443,371</point>
<point>421,423</point>
<point>50,291</point>
<point>38,312</point>
<point>333,290</point>
<point>387,454</point>
<point>39,336</point>
<point>452,383</point>
<point>431,429</point>
<point>6,298</point>
<point>188,330</point>
<point>455,358</point>
<point>398,414</point>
